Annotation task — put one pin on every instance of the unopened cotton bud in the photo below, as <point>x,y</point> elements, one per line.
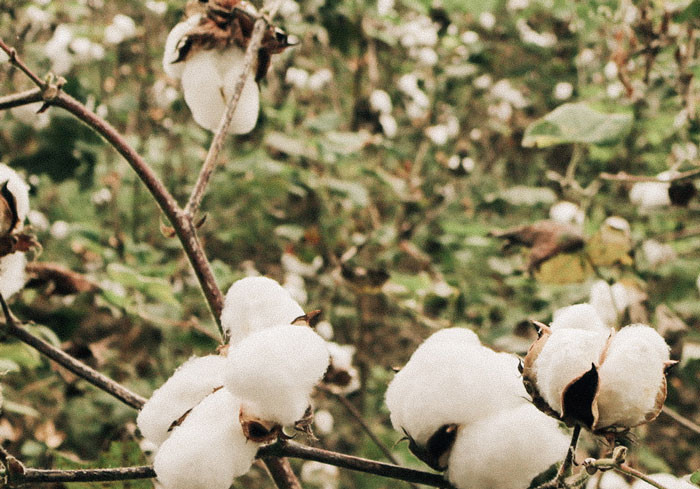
<point>171,52</point>
<point>579,316</point>
<point>12,274</point>
<point>565,357</point>
<point>631,377</point>
<point>208,81</point>
<point>192,381</point>
<point>505,450</point>
<point>208,450</point>
<point>274,370</point>
<point>451,379</point>
<point>255,303</point>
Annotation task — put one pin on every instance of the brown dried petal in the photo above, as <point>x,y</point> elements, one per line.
<point>258,430</point>
<point>438,447</point>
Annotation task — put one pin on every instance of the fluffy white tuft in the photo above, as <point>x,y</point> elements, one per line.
<point>667,480</point>
<point>170,53</point>
<point>208,80</point>
<point>255,303</point>
<point>650,195</point>
<point>568,354</point>
<point>274,370</point>
<point>607,480</point>
<point>19,189</point>
<point>506,450</point>
<point>208,450</point>
<point>452,378</point>
<point>12,274</point>
<point>609,301</point>
<point>631,376</point>
<point>579,316</point>
<point>192,381</point>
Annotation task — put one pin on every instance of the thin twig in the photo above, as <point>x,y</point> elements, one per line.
<point>626,177</point>
<point>680,419</point>
<point>22,98</point>
<point>626,469</point>
<point>43,476</point>
<point>15,60</point>
<point>222,131</point>
<point>77,367</point>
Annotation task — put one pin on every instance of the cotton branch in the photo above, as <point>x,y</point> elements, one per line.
<point>617,462</point>
<point>23,98</point>
<point>626,177</point>
<point>65,360</point>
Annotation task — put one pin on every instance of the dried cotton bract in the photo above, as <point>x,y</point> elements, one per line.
<point>273,372</point>
<point>192,381</point>
<point>255,303</point>
<point>14,207</point>
<point>208,450</point>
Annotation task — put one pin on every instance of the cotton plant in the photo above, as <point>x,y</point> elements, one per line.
<point>206,53</point>
<point>464,409</point>
<point>215,411</point>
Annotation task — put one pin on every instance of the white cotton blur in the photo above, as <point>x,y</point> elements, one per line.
<point>255,303</point>
<point>567,354</point>
<point>609,301</point>
<point>170,53</point>
<point>19,190</point>
<point>567,213</point>
<point>650,195</point>
<point>12,274</point>
<point>323,421</point>
<point>631,376</point>
<point>607,480</point>
<point>208,81</point>
<point>506,450</point>
<point>450,379</point>
<point>320,475</point>
<point>274,370</point>
<point>667,480</point>
<point>657,253</point>
<point>341,359</point>
<point>208,450</point>
<point>192,381</point>
<point>578,316</point>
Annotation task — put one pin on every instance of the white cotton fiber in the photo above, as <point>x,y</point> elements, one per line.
<point>505,450</point>
<point>255,303</point>
<point>274,370</point>
<point>172,43</point>
<point>448,382</point>
<point>609,301</point>
<point>650,195</point>
<point>578,316</point>
<point>607,480</point>
<point>631,376</point>
<point>208,80</point>
<point>567,354</point>
<point>341,360</point>
<point>18,188</point>
<point>192,381</point>
<point>12,274</point>
<point>208,450</point>
<point>667,480</point>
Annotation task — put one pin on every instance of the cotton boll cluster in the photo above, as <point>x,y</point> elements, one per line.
<point>464,408</point>
<point>274,370</point>
<point>208,79</point>
<point>586,374</point>
<point>254,303</point>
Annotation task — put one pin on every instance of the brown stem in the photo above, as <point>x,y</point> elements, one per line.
<point>626,177</point>
<point>680,419</point>
<point>42,476</point>
<point>22,98</point>
<point>77,367</point>
<point>15,60</point>
<point>626,469</point>
<point>281,472</point>
<point>222,131</point>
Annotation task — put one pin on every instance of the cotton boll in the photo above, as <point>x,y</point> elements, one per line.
<point>342,376</point>
<point>192,381</point>
<point>323,421</point>
<point>12,274</point>
<point>657,253</point>
<point>631,377</point>
<point>18,188</point>
<point>505,450</point>
<point>448,382</point>
<point>296,77</point>
<point>208,80</point>
<point>255,303</point>
<point>170,53</point>
<point>667,480</point>
<point>380,101</point>
<point>274,370</point>
<point>607,480</point>
<point>566,213</point>
<point>609,301</point>
<point>578,316</point>
<point>389,125</point>
<point>650,195</point>
<point>208,450</point>
<point>567,354</point>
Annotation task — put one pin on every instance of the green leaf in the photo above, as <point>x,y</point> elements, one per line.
<point>156,288</point>
<point>691,12</point>
<point>577,123</point>
<point>695,477</point>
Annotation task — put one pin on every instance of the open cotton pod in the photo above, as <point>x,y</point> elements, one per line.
<point>606,383</point>
<point>14,207</point>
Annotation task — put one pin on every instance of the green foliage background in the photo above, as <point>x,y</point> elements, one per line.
<point>317,178</point>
